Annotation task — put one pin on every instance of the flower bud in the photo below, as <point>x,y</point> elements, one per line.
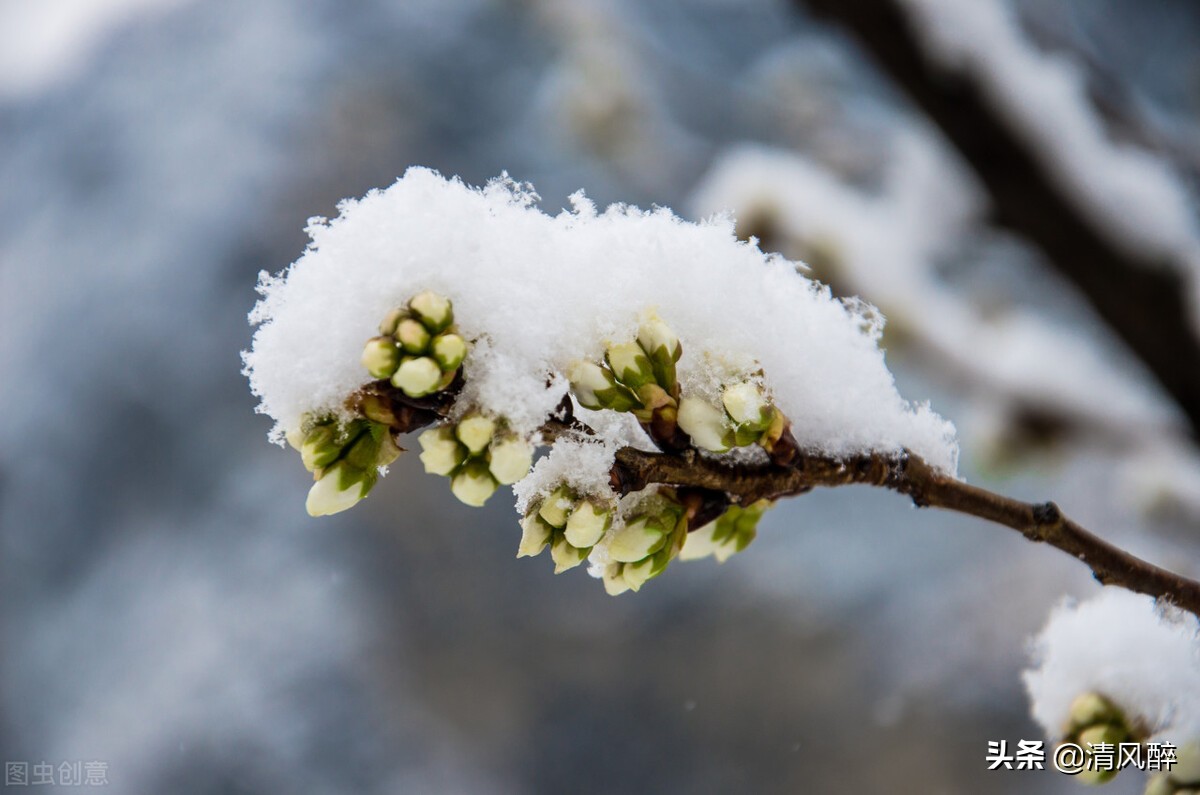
<point>587,524</point>
<point>535,535</point>
<point>630,364</point>
<point>295,437</point>
<point>565,555</point>
<point>473,484</point>
<point>320,447</point>
<point>381,357</point>
<point>706,424</point>
<point>596,388</point>
<point>637,574</point>
<point>412,336</point>
<point>417,377</point>
<point>475,431</point>
<point>449,350</point>
<point>433,310</point>
<point>389,451</point>
<point>362,452</point>
<point>614,579</point>
<point>639,538</point>
<point>1089,709</point>
<point>510,459</point>
<point>339,487</point>
<point>391,321</point>
<point>440,451</point>
<point>663,348</point>
<point>747,405</point>
<point>555,507</point>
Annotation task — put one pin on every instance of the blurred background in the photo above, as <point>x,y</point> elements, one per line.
<point>168,608</point>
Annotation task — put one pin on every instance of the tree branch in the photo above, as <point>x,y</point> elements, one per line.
<point>1143,301</point>
<point>910,475</point>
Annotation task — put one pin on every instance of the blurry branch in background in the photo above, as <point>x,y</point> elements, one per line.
<point>907,474</point>
<point>1143,296</point>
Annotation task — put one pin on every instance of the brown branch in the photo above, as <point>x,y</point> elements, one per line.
<point>909,475</point>
<point>1143,301</point>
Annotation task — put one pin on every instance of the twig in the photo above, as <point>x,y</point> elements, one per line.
<point>912,476</point>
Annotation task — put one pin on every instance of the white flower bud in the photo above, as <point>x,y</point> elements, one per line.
<point>475,431</point>
<point>417,377</point>
<point>706,424</point>
<point>473,484</point>
<point>389,451</point>
<point>535,536</point>
<point>381,357</point>
<point>434,310</point>
<point>655,335</point>
<point>320,448</point>
<point>636,574</point>
<point>747,405</point>
<point>699,543</point>
<point>412,336</point>
<point>510,459</point>
<point>441,453</point>
<point>391,321</point>
<point>630,364</point>
<point>588,378</point>
<point>587,524</point>
<point>449,350</point>
<point>555,507</point>
<point>295,437</point>
<point>565,555</point>
<point>638,539</point>
<point>339,488</point>
<point>614,579</point>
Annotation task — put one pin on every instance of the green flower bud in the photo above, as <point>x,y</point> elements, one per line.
<point>510,459</point>
<point>389,451</point>
<point>566,556</point>
<point>391,320</point>
<point>748,406</point>
<point>475,431</point>
<point>417,377</point>
<point>535,535</point>
<point>363,450</point>
<point>630,365</point>
<point>639,538</point>
<point>663,348</point>
<point>381,357</point>
<point>587,524</point>
<point>473,484</point>
<point>340,487</point>
<point>706,424</point>
<point>320,447</point>
<point>596,388</point>
<point>449,350</point>
<point>412,336</point>
<point>440,451</point>
<point>434,310</point>
<point>555,507</point>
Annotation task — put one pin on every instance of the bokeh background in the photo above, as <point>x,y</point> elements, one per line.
<point>167,606</point>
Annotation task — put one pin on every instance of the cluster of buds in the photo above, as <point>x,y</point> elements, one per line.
<point>638,377</point>
<point>418,349</point>
<point>477,455</point>
<point>745,417</point>
<point>1183,778</point>
<point>344,460</point>
<point>567,523</point>
<point>1092,720</point>
<point>730,533</point>
<point>643,546</point>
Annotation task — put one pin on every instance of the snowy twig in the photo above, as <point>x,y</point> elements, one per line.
<point>909,475</point>
<point>1144,302</point>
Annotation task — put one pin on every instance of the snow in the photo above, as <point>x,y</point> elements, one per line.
<point>1120,645</point>
<point>534,293</point>
<point>886,245</point>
